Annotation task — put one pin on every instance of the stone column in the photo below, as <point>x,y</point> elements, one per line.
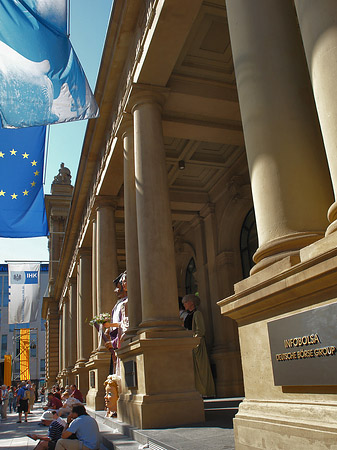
<point>72,329</point>
<point>61,354</point>
<point>84,311</point>
<point>65,342</point>
<point>105,270</point>
<point>52,339</point>
<point>94,284</point>
<point>154,223</point>
<point>318,26</point>
<point>107,264</point>
<point>289,175</point>
<point>162,349</point>
<point>131,238</point>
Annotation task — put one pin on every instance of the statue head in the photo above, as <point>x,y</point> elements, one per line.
<point>121,285</point>
<point>111,394</point>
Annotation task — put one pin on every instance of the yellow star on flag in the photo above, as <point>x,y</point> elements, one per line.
<point>25,192</point>
<point>2,154</point>
<point>2,193</point>
<point>25,155</point>
<point>14,196</point>
<point>33,184</point>
<point>36,173</point>
<point>13,152</point>
<point>34,163</point>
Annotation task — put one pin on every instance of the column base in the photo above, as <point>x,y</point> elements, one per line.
<point>164,393</point>
<point>278,249</point>
<point>288,425</point>
<point>332,216</point>
<point>98,370</point>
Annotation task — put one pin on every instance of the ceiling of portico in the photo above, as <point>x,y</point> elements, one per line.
<point>205,163</point>
<point>201,117</point>
<point>207,53</point>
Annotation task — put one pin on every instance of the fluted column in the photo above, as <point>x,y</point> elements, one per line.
<point>84,306</point>
<point>65,325</point>
<point>318,26</point>
<point>72,330</point>
<point>289,175</point>
<point>94,283</point>
<point>131,238</point>
<point>53,339</point>
<point>154,224</point>
<point>106,248</point>
<point>61,355</point>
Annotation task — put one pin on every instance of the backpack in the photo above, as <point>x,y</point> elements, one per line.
<point>26,395</point>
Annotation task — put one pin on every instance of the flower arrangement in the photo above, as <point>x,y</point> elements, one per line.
<point>100,318</point>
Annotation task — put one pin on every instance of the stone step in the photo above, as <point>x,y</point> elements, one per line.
<point>219,415</point>
<point>115,435</point>
<point>222,403</point>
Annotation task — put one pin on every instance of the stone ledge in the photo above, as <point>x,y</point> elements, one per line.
<point>297,284</point>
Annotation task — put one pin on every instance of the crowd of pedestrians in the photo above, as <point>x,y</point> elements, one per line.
<point>68,424</point>
<point>20,399</point>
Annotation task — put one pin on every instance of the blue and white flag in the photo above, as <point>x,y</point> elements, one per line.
<point>22,207</point>
<point>24,290</point>
<point>41,79</point>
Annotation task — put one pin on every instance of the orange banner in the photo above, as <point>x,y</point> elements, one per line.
<point>24,353</point>
<point>8,370</point>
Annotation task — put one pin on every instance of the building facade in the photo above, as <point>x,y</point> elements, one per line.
<point>215,142</point>
<point>10,333</point>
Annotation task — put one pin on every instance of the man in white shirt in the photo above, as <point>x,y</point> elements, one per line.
<point>68,403</point>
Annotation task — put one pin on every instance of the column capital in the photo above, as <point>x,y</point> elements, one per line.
<point>144,93</point>
<point>104,201</point>
<point>126,125</point>
<point>72,281</point>
<point>64,300</point>
<point>83,251</point>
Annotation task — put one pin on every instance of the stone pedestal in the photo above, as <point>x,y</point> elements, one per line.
<point>283,417</point>
<point>98,370</point>
<point>165,393</point>
<point>81,378</point>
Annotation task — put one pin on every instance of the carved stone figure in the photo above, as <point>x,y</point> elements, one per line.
<point>64,175</point>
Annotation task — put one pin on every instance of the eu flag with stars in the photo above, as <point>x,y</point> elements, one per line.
<point>22,208</point>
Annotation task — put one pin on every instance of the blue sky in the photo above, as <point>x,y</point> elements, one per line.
<point>88,24</point>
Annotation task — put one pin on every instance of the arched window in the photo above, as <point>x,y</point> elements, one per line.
<point>190,281</point>
<point>248,243</point>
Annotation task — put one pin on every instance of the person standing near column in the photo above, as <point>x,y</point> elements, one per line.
<point>11,399</point>
<point>202,370</point>
<point>22,401</point>
<point>4,391</point>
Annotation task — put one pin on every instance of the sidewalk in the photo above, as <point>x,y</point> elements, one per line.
<point>14,435</point>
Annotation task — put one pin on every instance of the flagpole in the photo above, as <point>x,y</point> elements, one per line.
<point>46,156</point>
<point>68,18</point>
